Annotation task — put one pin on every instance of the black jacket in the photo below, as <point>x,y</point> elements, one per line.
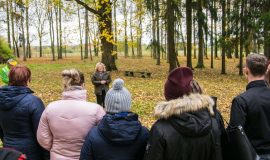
<point>117,137</point>
<point>96,80</point>
<point>251,109</point>
<point>20,112</point>
<point>183,131</point>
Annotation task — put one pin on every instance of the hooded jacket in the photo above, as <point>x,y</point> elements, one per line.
<point>20,112</point>
<point>118,137</point>
<point>65,124</point>
<point>183,131</point>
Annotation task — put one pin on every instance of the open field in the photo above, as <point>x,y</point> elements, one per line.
<point>46,81</point>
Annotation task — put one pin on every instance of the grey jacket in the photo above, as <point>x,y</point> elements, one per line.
<point>96,80</point>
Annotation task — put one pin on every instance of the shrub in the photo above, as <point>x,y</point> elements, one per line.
<point>5,51</point>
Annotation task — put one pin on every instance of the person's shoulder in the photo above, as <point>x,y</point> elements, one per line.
<point>160,126</point>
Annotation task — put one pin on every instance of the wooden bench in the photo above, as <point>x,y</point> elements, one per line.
<point>138,74</point>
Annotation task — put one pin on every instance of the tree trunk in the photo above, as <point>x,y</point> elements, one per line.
<point>212,40</point>
<point>14,42</point>
<point>105,26</point>
<point>266,30</point>
<point>125,28</point>
<point>237,35</point>
<point>200,34</point>
<point>131,32</point>
<point>194,37</point>
<point>241,38</point>
<point>80,28</point>
<point>57,30</point>
<point>216,41</point>
<point>229,51</point>
<point>223,52</point>
<point>86,35</point>
<point>23,36</point>
<point>8,22</point>
<point>206,36</point>
<point>115,26</point>
<point>40,44</point>
<point>50,17</point>
<point>60,32</point>
<point>139,30</point>
<point>154,42</point>
<point>157,25</point>
<point>28,46</point>
<point>170,35</point>
<point>189,32</point>
<point>90,48</point>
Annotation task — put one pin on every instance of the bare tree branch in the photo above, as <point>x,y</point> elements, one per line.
<point>87,7</point>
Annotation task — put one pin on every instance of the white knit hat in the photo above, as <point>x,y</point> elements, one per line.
<point>118,98</point>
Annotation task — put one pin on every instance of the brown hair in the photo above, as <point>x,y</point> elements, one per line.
<point>19,76</point>
<point>72,77</point>
<point>257,64</point>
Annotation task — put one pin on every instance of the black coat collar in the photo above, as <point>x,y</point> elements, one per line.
<point>258,83</point>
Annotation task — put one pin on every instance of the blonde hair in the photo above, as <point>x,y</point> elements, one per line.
<point>100,64</point>
<point>72,77</point>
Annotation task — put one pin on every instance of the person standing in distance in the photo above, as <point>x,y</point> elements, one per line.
<point>251,109</point>
<point>101,80</point>
<point>5,71</point>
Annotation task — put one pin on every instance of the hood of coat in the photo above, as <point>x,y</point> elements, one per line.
<point>121,128</point>
<point>11,95</point>
<point>189,115</point>
<point>75,93</point>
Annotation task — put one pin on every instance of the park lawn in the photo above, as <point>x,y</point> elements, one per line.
<point>146,92</point>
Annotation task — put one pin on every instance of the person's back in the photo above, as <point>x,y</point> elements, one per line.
<point>257,125</point>
<point>251,109</point>
<point>186,135</point>
<point>65,123</point>
<point>183,130</point>
<point>119,135</point>
<point>20,112</point>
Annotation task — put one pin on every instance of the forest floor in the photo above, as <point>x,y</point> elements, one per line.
<point>146,92</point>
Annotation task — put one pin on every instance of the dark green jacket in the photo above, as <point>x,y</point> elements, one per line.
<point>96,80</point>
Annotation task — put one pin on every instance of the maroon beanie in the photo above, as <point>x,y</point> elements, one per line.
<point>178,83</point>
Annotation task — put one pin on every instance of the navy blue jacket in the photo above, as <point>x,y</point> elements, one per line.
<point>20,112</point>
<point>117,137</point>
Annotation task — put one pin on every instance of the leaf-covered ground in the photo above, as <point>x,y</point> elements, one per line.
<point>47,82</point>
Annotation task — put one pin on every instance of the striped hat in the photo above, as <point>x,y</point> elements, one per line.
<point>118,98</point>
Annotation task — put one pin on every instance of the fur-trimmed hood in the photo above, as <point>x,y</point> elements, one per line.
<point>189,115</point>
<point>190,103</point>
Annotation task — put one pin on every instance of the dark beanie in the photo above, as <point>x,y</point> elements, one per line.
<point>178,83</point>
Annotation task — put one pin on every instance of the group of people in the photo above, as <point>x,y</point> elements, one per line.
<point>188,126</point>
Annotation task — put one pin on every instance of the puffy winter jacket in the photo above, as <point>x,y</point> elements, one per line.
<point>117,137</point>
<point>65,124</point>
<point>183,131</point>
<point>20,112</point>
